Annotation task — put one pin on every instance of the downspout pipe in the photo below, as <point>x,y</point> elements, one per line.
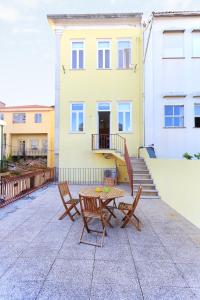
<point>145,51</point>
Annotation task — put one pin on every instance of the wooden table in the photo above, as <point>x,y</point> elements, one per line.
<point>105,197</point>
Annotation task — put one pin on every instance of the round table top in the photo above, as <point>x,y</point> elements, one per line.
<point>113,193</point>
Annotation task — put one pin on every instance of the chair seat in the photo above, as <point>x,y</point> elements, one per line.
<point>124,206</point>
<point>72,201</point>
<point>89,214</point>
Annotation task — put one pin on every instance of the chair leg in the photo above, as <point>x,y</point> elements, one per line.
<point>77,211</point>
<point>67,212</point>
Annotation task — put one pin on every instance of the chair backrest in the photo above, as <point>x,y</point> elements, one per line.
<point>137,198</point>
<point>64,191</point>
<point>90,204</point>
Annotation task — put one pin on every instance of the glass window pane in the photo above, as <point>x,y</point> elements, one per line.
<point>74,59</point>
<point>197,110</point>
<point>178,110</point>
<point>74,120</point>
<point>77,45</point>
<point>104,45</point>
<point>120,59</point>
<point>196,44</point>
<point>120,125</point>
<point>104,107</point>
<point>77,106</point>
<point>168,110</point>
<point>176,122</point>
<point>127,55</point>
<point>124,106</point>
<point>168,122</point>
<point>173,44</point>
<point>128,121</point>
<point>80,125</point>
<point>124,44</point>
<point>81,59</point>
<point>107,58</point>
<point>100,59</point>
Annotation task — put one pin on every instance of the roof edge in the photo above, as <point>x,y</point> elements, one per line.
<point>94,16</point>
<point>176,14</point>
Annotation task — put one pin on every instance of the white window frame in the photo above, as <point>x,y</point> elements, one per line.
<point>131,114</point>
<point>71,65</point>
<point>77,111</point>
<point>163,44</point>
<point>36,118</point>
<point>97,53</point>
<point>195,32</point>
<point>17,114</point>
<point>36,142</point>
<point>196,116</point>
<point>131,56</point>
<point>173,116</point>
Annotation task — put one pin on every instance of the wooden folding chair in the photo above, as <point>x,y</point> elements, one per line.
<point>129,209</point>
<point>92,208</point>
<point>68,203</point>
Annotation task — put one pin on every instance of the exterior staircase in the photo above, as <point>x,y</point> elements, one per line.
<point>141,176</point>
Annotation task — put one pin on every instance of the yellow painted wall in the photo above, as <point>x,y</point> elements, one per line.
<point>178,184</point>
<point>27,130</point>
<point>91,86</point>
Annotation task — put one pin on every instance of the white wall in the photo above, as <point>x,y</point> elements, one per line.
<point>177,76</point>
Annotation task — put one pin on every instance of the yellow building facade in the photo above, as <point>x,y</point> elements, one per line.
<point>98,89</point>
<point>29,131</point>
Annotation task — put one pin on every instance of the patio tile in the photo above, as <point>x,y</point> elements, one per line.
<point>159,273</point>
<point>115,291</point>
<point>184,254</point>
<point>62,290</point>
<point>29,269</point>
<point>114,252</point>
<point>116,273</point>
<point>19,290</point>
<point>71,271</point>
<point>74,250</point>
<point>5,263</point>
<point>168,293</point>
<point>150,253</point>
<point>144,237</point>
<point>195,238</point>
<point>196,292</point>
<point>42,249</point>
<point>12,248</point>
<point>21,235</point>
<point>191,273</point>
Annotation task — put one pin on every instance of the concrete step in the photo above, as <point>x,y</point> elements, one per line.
<point>145,186</point>
<point>149,192</point>
<point>149,197</point>
<point>140,172</point>
<point>141,181</point>
<point>141,176</point>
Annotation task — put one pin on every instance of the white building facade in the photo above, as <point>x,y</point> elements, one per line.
<point>172,84</point>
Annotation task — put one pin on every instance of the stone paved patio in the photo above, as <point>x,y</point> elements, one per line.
<point>40,257</point>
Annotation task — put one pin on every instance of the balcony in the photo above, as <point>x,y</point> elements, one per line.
<point>108,143</point>
<point>29,152</point>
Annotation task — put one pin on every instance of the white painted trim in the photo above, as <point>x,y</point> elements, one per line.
<point>97,56</point>
<point>131,114</point>
<point>84,56</point>
<point>117,49</point>
<point>71,103</point>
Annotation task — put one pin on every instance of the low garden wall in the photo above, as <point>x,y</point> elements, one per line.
<point>178,183</point>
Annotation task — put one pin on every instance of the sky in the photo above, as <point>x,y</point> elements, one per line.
<point>27,42</point>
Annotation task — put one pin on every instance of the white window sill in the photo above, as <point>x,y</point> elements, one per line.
<point>174,57</point>
<point>182,127</point>
<point>103,69</point>
<point>77,69</point>
<point>76,132</point>
<point>125,132</point>
<point>124,69</point>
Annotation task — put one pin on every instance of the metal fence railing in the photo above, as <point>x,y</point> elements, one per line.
<point>13,188</point>
<point>85,176</point>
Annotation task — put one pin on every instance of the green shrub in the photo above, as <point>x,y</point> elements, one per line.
<point>187,156</point>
